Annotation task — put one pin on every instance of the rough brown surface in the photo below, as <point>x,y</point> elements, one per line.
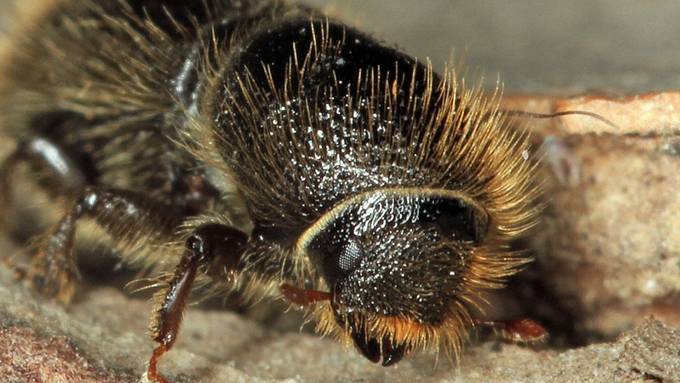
<point>101,339</point>
<point>609,243</point>
<point>26,356</point>
<point>653,350</point>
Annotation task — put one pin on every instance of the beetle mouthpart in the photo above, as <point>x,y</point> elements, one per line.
<point>304,297</point>
<point>374,350</point>
<point>369,347</point>
<point>392,354</point>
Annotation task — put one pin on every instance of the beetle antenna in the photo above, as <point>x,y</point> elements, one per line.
<point>522,113</point>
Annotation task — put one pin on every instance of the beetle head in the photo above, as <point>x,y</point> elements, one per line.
<point>396,261</point>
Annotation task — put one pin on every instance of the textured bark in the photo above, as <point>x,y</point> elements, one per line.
<point>608,246</point>
<point>101,338</point>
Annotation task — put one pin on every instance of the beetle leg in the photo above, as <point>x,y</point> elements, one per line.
<point>302,297</point>
<point>43,154</point>
<point>517,330</point>
<point>129,218</point>
<point>211,249</point>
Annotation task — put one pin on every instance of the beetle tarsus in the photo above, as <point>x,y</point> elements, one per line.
<point>152,373</point>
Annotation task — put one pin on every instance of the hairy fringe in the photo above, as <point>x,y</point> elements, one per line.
<point>459,140</point>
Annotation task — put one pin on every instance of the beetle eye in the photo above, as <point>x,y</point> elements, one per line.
<point>340,258</point>
<point>350,256</point>
<point>403,226</point>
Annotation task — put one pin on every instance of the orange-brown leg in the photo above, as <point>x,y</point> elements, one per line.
<point>523,330</point>
<point>212,249</point>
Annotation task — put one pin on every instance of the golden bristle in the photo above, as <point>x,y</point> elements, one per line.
<point>450,335</point>
<point>457,139</point>
<point>477,152</point>
<point>486,271</point>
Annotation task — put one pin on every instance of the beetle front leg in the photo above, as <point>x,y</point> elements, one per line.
<point>212,249</point>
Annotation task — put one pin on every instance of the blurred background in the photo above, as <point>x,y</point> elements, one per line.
<point>622,46</point>
<point>565,47</point>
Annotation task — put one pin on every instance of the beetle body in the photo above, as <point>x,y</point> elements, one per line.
<point>282,148</point>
